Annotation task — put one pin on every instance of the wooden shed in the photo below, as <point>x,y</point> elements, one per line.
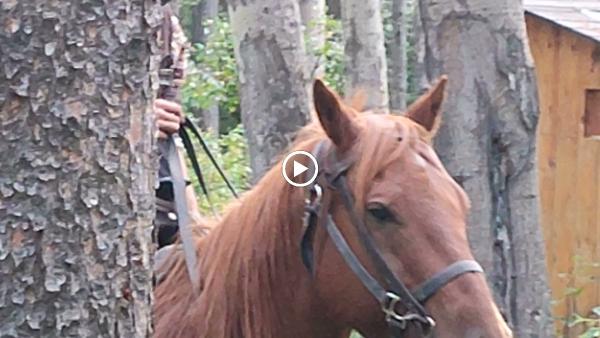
<point>565,42</point>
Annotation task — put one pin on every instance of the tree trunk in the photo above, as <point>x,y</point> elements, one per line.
<point>366,66</point>
<point>419,81</point>
<point>397,50</point>
<point>312,13</point>
<point>488,144</point>
<point>334,8</point>
<point>211,119</point>
<point>76,203</point>
<point>203,15</point>
<point>271,63</point>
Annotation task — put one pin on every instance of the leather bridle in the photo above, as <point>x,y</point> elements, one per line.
<point>392,292</point>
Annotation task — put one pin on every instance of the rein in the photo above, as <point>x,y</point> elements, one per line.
<point>332,180</point>
<point>171,69</point>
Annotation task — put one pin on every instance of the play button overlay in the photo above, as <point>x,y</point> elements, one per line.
<point>302,166</point>
<point>299,169</point>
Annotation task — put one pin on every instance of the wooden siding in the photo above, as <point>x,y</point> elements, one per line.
<point>567,64</point>
<point>580,16</point>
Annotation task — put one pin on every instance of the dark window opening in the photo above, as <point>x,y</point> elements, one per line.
<point>592,113</point>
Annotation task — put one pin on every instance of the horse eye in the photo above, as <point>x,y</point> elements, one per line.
<point>380,212</point>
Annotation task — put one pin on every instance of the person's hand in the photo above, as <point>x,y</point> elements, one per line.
<point>168,117</point>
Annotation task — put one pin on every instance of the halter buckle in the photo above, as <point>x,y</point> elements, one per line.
<point>311,204</point>
<point>388,306</point>
<point>318,192</point>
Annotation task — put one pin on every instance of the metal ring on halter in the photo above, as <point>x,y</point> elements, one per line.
<point>312,204</point>
<point>388,306</point>
<point>318,193</point>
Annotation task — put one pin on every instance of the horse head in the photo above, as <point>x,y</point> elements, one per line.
<point>383,237</point>
<point>414,214</point>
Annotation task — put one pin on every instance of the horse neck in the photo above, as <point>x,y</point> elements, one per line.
<point>254,282</point>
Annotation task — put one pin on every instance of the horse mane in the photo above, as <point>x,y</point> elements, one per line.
<point>249,254</point>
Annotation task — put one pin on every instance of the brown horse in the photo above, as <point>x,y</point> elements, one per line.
<point>254,283</point>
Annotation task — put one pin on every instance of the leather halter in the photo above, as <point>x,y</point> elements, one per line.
<point>392,292</point>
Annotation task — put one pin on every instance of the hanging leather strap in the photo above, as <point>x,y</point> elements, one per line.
<point>183,218</point>
<point>168,90</point>
<point>191,126</point>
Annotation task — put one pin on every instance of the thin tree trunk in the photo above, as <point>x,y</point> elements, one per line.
<point>223,5</point>
<point>204,13</point>
<point>76,195</point>
<point>419,81</point>
<point>313,17</point>
<point>334,8</point>
<point>271,62</point>
<point>211,118</point>
<point>397,62</point>
<point>488,144</point>
<point>366,65</point>
<point>197,27</point>
<point>312,13</point>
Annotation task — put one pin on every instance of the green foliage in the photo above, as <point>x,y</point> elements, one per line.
<point>212,77</point>
<point>587,275</point>
<point>590,322</point>
<point>230,151</point>
<point>332,54</point>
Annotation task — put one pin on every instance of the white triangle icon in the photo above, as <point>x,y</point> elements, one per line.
<point>299,168</point>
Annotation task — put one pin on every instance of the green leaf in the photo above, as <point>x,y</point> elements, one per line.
<point>577,319</point>
<point>571,291</point>
<point>592,332</point>
<point>355,334</point>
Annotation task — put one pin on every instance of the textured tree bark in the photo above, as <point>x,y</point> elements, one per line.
<point>76,189</point>
<point>397,72</point>
<point>488,144</point>
<point>271,61</point>
<point>366,65</point>
<point>203,15</point>
<point>312,13</point>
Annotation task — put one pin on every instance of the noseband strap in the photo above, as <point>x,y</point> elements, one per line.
<point>428,288</point>
<point>332,179</point>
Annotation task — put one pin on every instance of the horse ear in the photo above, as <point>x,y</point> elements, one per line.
<point>426,110</point>
<point>336,122</point>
